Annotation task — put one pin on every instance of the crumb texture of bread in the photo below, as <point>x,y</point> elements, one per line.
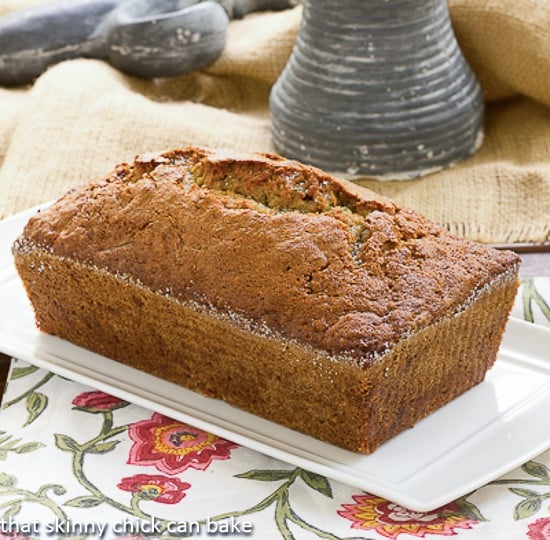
<point>272,285</point>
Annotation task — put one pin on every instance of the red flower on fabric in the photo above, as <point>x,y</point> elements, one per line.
<point>96,401</point>
<point>390,520</point>
<point>155,487</point>
<point>173,447</point>
<point>540,529</point>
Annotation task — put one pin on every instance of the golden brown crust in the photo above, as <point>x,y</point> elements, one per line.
<point>284,245</point>
<point>293,295</point>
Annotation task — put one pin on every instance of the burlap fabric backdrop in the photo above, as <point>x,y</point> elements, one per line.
<point>82,117</point>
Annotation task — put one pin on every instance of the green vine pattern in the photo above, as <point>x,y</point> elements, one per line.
<point>8,487</point>
<point>531,296</point>
<point>104,442</point>
<point>8,483</point>
<point>97,445</point>
<point>280,499</point>
<point>469,509</point>
<point>107,440</point>
<point>8,443</point>
<point>531,500</point>
<point>35,402</point>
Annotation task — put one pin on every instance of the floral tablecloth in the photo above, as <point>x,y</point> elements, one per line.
<point>78,463</point>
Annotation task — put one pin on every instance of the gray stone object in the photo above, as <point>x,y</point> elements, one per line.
<point>144,38</point>
<point>160,38</point>
<point>377,88</point>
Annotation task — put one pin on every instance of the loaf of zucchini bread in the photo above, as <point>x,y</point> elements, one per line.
<point>271,285</point>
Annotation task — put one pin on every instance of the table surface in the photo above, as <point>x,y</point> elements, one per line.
<point>535,264</point>
<point>78,463</point>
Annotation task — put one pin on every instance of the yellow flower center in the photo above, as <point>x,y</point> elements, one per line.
<point>176,439</point>
<point>153,490</point>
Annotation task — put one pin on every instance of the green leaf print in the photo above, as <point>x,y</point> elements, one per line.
<point>469,509</point>
<point>86,501</point>
<point>36,404</point>
<point>28,447</point>
<point>7,480</point>
<point>66,443</point>
<point>539,470</point>
<point>265,475</point>
<point>103,448</point>
<point>527,493</point>
<point>31,390</point>
<point>526,508</point>
<point>317,482</point>
<point>18,373</point>
<point>10,444</point>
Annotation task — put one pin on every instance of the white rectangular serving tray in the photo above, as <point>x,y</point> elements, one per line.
<point>481,435</point>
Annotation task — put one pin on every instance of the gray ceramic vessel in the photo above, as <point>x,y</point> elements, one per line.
<point>377,88</point>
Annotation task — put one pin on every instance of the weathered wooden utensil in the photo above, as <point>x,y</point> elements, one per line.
<point>145,38</point>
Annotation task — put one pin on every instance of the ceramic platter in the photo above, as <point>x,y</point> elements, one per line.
<point>481,435</point>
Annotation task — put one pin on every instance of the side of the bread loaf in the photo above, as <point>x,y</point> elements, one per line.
<point>336,400</point>
<point>219,355</point>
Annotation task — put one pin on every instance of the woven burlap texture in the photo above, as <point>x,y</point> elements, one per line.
<point>82,117</point>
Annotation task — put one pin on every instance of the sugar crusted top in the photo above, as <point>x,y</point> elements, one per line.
<point>316,259</point>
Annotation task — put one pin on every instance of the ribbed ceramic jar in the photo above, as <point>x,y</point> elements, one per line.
<point>377,88</point>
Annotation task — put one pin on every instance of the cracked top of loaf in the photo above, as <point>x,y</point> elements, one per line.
<point>284,246</point>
